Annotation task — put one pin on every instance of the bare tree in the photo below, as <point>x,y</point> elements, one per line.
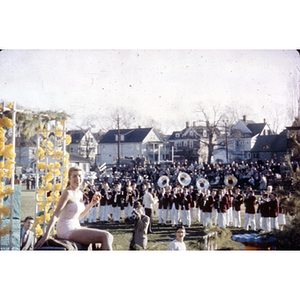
<point>128,118</point>
<point>213,117</point>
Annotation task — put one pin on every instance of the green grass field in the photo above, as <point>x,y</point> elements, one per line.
<point>158,241</point>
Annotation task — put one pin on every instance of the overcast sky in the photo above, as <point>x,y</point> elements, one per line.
<point>165,85</point>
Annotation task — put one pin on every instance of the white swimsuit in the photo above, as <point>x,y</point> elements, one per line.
<point>69,218</point>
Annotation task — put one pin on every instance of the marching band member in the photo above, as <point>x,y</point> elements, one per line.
<point>166,202</point>
<point>199,207</point>
<point>104,202</point>
<point>93,211</point>
<point>172,207</point>
<point>117,203</point>
<point>265,213</point>
<point>250,210</point>
<point>193,193</point>
<point>128,201</point>
<point>258,213</point>
<point>160,204</point>
<point>236,208</point>
<point>222,210</point>
<point>178,193</point>
<point>274,211</point>
<point>229,206</point>
<point>281,216</point>
<point>185,208</point>
<point>215,208</point>
<point>207,208</point>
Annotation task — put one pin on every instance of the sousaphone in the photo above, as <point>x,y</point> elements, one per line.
<point>184,178</point>
<point>230,181</point>
<point>202,184</point>
<point>163,181</point>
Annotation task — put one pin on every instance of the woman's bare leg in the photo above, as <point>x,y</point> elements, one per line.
<point>92,236</point>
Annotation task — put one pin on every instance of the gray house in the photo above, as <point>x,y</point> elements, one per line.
<point>271,147</point>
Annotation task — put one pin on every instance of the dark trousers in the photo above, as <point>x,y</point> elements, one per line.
<point>148,212</point>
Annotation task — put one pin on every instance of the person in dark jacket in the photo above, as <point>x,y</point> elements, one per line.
<point>222,209</point>
<point>274,211</point>
<point>250,210</point>
<point>236,208</point>
<point>265,213</point>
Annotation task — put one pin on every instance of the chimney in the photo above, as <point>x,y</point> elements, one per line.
<point>194,124</point>
<point>187,124</point>
<point>265,120</point>
<point>244,118</point>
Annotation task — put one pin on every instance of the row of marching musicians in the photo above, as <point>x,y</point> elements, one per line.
<point>114,201</point>
<point>188,204</point>
<point>221,208</point>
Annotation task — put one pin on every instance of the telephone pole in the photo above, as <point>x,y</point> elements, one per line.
<point>118,120</point>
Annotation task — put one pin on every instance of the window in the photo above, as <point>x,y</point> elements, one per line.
<point>177,135</point>
<point>71,149</point>
<point>121,137</point>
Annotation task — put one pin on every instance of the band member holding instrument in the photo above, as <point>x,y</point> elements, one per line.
<point>160,196</point>
<point>222,210</point>
<point>215,208</point>
<point>249,203</point>
<point>236,208</point>
<point>104,202</point>
<point>265,212</point>
<point>91,192</point>
<point>274,211</point>
<point>166,203</point>
<point>185,208</point>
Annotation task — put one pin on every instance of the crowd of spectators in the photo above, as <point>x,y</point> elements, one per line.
<point>258,175</point>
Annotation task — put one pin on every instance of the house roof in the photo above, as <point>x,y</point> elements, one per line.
<point>256,128</point>
<point>76,135</point>
<point>198,129</point>
<point>274,143</point>
<point>136,135</point>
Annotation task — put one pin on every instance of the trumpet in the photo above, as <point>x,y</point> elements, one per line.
<point>202,184</point>
<point>184,178</point>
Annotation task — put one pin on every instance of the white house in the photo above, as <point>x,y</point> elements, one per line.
<point>133,142</point>
<point>240,141</point>
<point>84,143</point>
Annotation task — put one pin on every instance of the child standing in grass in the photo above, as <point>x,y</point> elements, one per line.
<point>178,244</point>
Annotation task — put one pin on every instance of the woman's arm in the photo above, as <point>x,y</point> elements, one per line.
<point>95,200</point>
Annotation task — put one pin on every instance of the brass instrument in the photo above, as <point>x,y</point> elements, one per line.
<point>163,181</point>
<point>230,181</point>
<point>202,184</point>
<point>184,178</point>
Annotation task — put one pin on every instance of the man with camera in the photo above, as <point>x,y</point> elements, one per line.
<point>141,223</point>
